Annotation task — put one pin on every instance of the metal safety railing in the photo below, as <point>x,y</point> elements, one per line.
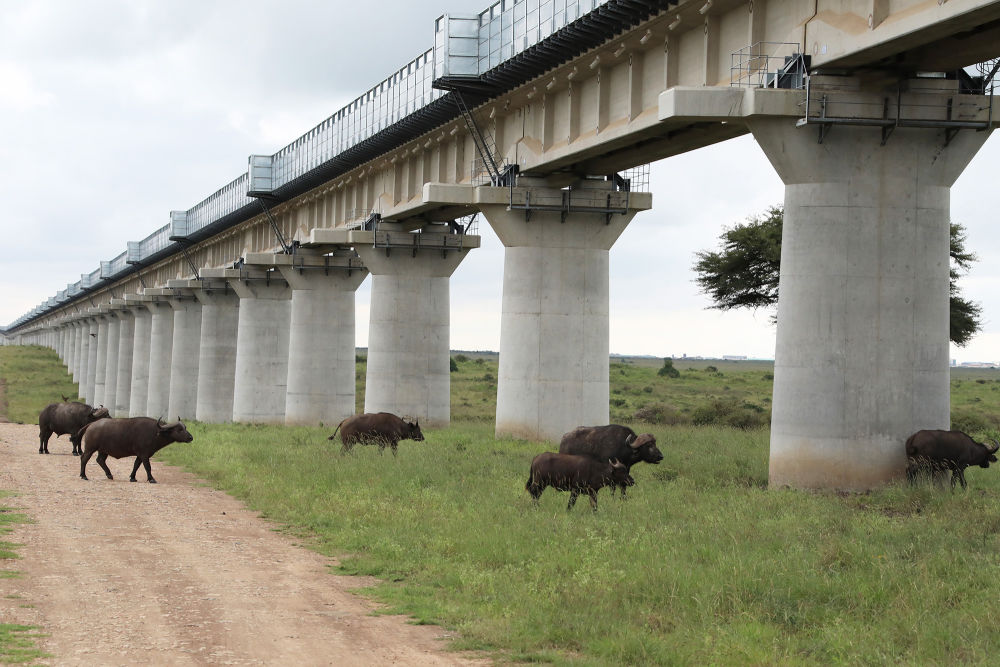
<point>768,65</point>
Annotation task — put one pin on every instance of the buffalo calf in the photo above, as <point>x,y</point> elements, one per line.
<point>576,474</point>
<point>613,441</point>
<point>382,428</point>
<point>140,437</point>
<point>66,417</point>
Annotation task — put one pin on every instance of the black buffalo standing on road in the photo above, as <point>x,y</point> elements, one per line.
<point>938,451</point>
<point>66,417</point>
<point>380,428</point>
<point>604,443</point>
<point>576,474</point>
<point>140,437</point>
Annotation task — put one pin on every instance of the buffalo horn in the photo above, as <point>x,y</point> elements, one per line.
<point>996,446</point>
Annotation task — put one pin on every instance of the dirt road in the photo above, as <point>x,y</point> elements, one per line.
<point>178,574</point>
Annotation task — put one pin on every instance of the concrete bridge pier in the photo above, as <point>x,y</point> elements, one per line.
<point>216,351</point>
<point>87,390</point>
<point>103,320</point>
<point>80,353</point>
<point>123,375</point>
<point>408,336</point>
<point>321,350</point>
<point>111,355</point>
<point>182,400</point>
<point>554,328</point>
<point>142,328</point>
<point>161,346</point>
<point>261,370</point>
<point>71,345</point>
<point>861,360</point>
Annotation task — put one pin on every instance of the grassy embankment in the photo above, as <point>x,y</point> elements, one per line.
<point>702,564</point>
<point>31,376</point>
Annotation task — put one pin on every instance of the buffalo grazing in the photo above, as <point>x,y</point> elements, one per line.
<point>576,474</point>
<point>382,428</point>
<point>938,451</point>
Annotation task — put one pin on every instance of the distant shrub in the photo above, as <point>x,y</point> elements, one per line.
<point>970,423</point>
<point>668,369</point>
<point>660,414</point>
<point>711,369</point>
<point>648,389</point>
<point>730,412</point>
<point>480,361</point>
<point>768,376</point>
<point>453,364</point>
<point>359,359</point>
<point>461,358</point>
<point>488,377</point>
<point>618,402</point>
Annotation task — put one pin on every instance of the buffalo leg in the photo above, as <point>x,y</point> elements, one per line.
<point>101,458</point>
<point>43,441</point>
<point>593,498</point>
<point>83,463</point>
<point>393,445</point>
<point>958,475</point>
<point>145,464</point>
<point>572,499</point>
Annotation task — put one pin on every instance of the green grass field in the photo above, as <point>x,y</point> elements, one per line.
<point>701,565</point>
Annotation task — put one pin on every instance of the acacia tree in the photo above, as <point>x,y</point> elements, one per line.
<point>743,273</point>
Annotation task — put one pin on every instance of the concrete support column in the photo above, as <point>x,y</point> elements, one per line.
<point>80,354</point>
<point>111,357</point>
<point>88,383</point>
<point>126,346</point>
<point>861,360</point>
<point>554,328</point>
<point>321,351</point>
<point>70,345</point>
<point>261,371</point>
<point>103,320</point>
<point>408,335</point>
<point>217,352</point>
<point>139,382</point>
<point>183,398</point>
<point>161,345</point>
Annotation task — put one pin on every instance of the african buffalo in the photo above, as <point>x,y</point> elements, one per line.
<point>604,443</point>
<point>140,437</point>
<point>66,417</point>
<point>382,428</point>
<point>576,474</point>
<point>938,451</point>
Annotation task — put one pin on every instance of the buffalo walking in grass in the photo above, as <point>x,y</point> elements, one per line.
<point>939,451</point>
<point>140,437</point>
<point>381,428</point>
<point>66,417</point>
<point>576,474</point>
<point>613,441</point>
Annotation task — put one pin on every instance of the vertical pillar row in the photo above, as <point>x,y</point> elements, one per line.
<point>861,358</point>
<point>554,328</point>
<point>102,355</point>
<point>409,330</point>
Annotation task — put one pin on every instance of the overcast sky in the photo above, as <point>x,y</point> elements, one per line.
<point>115,112</point>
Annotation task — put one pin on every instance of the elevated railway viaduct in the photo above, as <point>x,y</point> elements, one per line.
<point>535,115</point>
